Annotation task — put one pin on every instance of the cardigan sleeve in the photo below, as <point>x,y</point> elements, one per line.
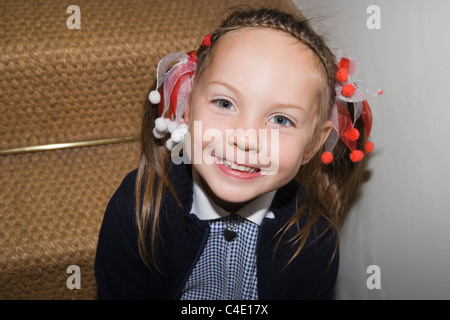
<point>119,270</point>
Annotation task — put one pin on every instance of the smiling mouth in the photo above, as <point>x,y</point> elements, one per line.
<point>237,167</point>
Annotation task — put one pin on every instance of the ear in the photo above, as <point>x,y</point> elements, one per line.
<point>318,142</point>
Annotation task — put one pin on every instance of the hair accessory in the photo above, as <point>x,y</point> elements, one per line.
<point>206,41</point>
<point>349,89</point>
<point>175,76</point>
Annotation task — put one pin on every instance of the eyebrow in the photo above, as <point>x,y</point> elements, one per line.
<point>226,85</point>
<point>291,106</point>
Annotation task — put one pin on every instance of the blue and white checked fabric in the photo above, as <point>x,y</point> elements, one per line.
<point>226,270</point>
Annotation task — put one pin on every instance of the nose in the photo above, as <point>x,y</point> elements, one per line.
<point>245,140</point>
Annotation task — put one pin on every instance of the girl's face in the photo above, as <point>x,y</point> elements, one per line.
<point>252,114</point>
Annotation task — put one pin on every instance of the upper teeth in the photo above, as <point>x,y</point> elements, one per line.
<point>234,166</point>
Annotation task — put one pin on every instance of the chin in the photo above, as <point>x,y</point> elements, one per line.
<point>232,190</point>
<point>234,194</point>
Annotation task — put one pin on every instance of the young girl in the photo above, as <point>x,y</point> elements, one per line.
<point>253,209</point>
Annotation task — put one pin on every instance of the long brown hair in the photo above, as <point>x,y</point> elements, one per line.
<point>330,190</point>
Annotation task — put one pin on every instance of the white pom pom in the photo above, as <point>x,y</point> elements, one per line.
<point>178,135</point>
<point>161,124</point>
<point>157,134</point>
<point>172,126</point>
<point>183,127</point>
<point>170,144</point>
<point>154,97</point>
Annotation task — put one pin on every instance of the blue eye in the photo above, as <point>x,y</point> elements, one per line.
<point>281,121</point>
<point>224,104</point>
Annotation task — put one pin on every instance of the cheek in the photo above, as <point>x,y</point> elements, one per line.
<point>291,151</point>
<point>204,139</point>
<point>206,128</point>
<point>290,157</point>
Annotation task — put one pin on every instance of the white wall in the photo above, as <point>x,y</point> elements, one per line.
<point>402,221</point>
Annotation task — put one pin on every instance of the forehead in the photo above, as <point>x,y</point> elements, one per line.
<point>255,58</point>
<point>267,44</point>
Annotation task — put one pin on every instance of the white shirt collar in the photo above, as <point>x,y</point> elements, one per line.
<point>205,208</point>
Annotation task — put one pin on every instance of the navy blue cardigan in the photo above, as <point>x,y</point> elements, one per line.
<point>121,274</point>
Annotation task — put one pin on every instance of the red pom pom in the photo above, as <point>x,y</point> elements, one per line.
<point>352,134</point>
<point>369,147</point>
<point>356,155</point>
<point>326,157</point>
<point>342,75</point>
<point>206,41</point>
<point>348,90</point>
<point>344,63</point>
